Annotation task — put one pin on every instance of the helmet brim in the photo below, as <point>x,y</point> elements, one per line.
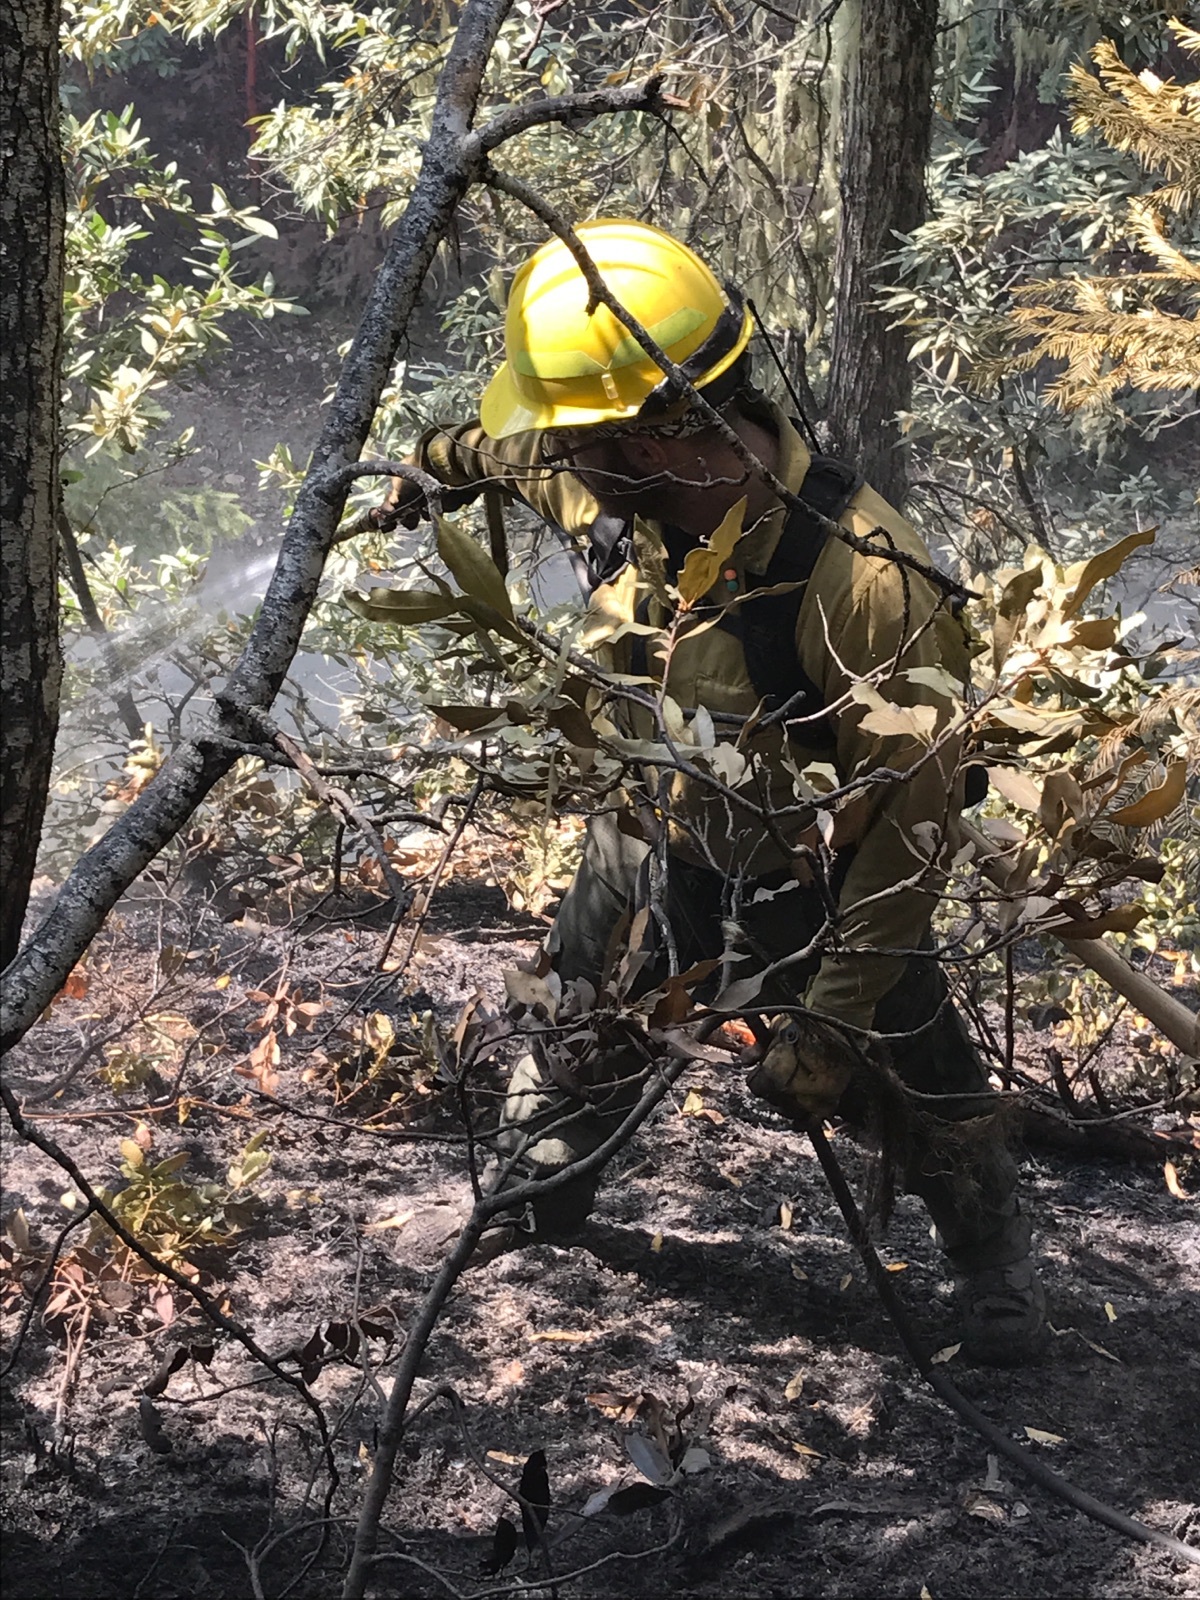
<point>504,410</point>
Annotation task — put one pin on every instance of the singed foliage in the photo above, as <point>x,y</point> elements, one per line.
<point>1136,329</point>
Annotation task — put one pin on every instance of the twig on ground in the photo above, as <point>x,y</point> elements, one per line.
<point>443,862</point>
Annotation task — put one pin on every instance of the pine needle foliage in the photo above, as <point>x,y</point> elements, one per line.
<point>1137,329</point>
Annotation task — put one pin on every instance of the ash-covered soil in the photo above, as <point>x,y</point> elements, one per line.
<point>717,1279</point>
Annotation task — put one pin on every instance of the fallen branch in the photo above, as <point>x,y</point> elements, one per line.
<point>1083,1133</point>
<point>1172,1019</point>
<point>937,1379</point>
<point>503,1198</point>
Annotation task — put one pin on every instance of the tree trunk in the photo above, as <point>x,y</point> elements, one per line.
<point>32,207</point>
<point>886,115</point>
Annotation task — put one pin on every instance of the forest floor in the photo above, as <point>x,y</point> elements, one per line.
<point>716,1279</point>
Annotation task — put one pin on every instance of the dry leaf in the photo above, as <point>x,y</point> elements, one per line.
<point>1040,1436</point>
<point>396,1221</point>
<point>223,981</point>
<point>794,1388</point>
<point>947,1353</point>
<point>505,1459</point>
<point>1173,1184</point>
<point>657,1242</point>
<point>847,1280</point>
<point>561,1336</point>
<point>925,1594</point>
<point>785,1215</point>
<point>512,1372</point>
<point>17,1229</point>
<point>897,1266</point>
<point>624,1407</point>
<point>703,564</point>
<point>1156,803</point>
<point>693,1106</point>
<point>799,1273</point>
<point>1099,1348</point>
<point>978,1505</point>
<point>805,1450</point>
<point>1109,1312</point>
<point>76,986</point>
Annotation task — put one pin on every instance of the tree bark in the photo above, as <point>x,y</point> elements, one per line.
<point>32,217</point>
<point>886,117</point>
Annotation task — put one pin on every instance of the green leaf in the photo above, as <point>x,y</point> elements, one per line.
<point>402,607</point>
<point>703,565</point>
<point>172,1164</point>
<point>475,571</point>
<point>259,225</point>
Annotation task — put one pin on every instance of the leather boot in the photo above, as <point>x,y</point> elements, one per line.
<point>1000,1296</point>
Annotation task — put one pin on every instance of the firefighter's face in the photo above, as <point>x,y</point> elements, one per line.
<point>627,476</point>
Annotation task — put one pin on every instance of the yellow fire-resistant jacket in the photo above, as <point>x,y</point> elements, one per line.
<point>862,617</point>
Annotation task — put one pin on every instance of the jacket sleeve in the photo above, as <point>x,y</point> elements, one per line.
<point>879,613</point>
<point>468,461</point>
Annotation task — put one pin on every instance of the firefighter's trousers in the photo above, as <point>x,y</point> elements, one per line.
<point>970,1193</point>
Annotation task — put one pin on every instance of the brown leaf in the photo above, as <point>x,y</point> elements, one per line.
<point>624,1407</point>
<point>1172,1180</point>
<point>1155,804</point>
<point>150,1427</point>
<point>1010,611</point>
<point>1040,1436</point>
<point>169,1365</point>
<point>702,565</point>
<point>979,1505</point>
<point>76,986</point>
<point>1122,919</point>
<point>1105,565</point>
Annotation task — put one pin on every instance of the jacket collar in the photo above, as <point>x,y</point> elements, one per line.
<point>756,547</point>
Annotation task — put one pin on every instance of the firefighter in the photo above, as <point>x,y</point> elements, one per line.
<point>580,424</point>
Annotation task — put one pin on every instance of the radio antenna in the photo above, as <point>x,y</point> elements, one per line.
<point>783,373</point>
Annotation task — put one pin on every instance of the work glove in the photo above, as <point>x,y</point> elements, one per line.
<point>404,506</point>
<point>802,1067</point>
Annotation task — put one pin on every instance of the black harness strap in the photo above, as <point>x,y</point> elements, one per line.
<point>765,625</point>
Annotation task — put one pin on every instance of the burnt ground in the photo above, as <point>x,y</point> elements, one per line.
<point>718,1279</point>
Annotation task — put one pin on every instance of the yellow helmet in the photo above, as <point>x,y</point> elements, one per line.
<point>566,369</point>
